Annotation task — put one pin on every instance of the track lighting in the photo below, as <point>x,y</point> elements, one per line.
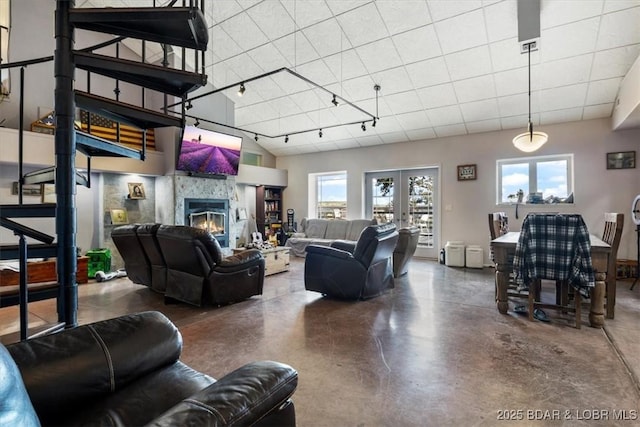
<point>363,127</point>
<point>196,123</point>
<point>334,101</point>
<point>374,123</point>
<point>320,133</point>
<point>189,105</point>
<point>256,137</point>
<point>241,90</point>
<point>286,139</point>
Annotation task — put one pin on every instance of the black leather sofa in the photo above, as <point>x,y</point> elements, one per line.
<point>187,264</point>
<point>126,372</point>
<point>353,271</point>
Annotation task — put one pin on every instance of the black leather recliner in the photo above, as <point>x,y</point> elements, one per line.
<point>405,248</point>
<point>126,372</point>
<point>135,260</point>
<point>147,235</point>
<point>197,271</point>
<point>348,271</point>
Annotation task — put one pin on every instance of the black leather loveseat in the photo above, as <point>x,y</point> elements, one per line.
<point>187,264</point>
<point>126,372</point>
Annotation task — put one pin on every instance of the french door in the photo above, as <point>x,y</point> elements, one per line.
<point>406,197</point>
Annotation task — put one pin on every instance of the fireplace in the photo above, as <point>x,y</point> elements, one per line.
<point>211,215</point>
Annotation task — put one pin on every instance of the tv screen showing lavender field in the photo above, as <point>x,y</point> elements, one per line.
<point>208,152</point>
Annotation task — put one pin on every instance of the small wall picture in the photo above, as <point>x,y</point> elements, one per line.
<point>136,190</point>
<point>621,160</point>
<point>119,216</point>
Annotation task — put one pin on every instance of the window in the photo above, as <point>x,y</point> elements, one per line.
<point>544,179</point>
<point>330,195</point>
<point>5,18</point>
<point>252,159</point>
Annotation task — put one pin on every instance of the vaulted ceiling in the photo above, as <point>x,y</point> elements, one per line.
<point>445,67</point>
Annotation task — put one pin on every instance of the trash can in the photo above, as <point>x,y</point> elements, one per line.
<point>474,256</point>
<point>99,260</point>
<point>454,254</point>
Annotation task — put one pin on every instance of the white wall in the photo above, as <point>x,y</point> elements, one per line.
<point>597,190</point>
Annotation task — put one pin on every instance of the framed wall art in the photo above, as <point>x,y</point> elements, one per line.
<point>119,216</point>
<point>621,160</point>
<point>467,172</point>
<point>136,190</point>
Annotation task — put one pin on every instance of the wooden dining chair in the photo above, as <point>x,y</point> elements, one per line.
<point>499,226</point>
<point>613,224</point>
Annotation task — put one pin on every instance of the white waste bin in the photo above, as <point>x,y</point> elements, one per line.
<point>454,254</point>
<point>474,256</point>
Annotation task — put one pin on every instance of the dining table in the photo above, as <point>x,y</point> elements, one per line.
<point>504,249</point>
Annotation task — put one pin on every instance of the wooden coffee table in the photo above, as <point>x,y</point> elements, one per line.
<point>276,259</point>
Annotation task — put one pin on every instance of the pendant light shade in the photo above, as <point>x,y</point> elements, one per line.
<point>530,141</point>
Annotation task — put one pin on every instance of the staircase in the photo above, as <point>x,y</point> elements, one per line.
<point>178,26</point>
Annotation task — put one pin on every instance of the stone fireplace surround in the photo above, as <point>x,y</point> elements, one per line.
<point>172,190</point>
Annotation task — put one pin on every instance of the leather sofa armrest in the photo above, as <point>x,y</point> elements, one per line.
<point>243,397</point>
<point>241,258</point>
<point>344,245</point>
<point>328,251</point>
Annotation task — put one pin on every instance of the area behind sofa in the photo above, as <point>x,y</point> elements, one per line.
<point>325,231</point>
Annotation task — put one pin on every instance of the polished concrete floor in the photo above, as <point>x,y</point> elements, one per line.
<point>433,351</point>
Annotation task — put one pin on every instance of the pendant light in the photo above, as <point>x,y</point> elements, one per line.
<point>530,141</point>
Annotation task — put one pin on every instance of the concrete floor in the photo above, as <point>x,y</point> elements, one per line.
<point>433,351</point>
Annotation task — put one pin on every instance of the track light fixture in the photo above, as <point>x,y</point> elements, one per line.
<point>374,123</point>
<point>196,123</point>
<point>286,139</point>
<point>320,133</point>
<point>334,101</point>
<point>189,105</point>
<point>241,90</point>
<point>363,127</point>
<point>256,137</point>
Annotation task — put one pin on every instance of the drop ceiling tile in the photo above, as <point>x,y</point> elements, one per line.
<point>405,102</point>
<point>450,130</point>
<point>412,121</point>
<point>480,110</point>
<point>428,73</point>
<point>244,31</point>
<point>446,9</point>
<point>452,39</point>
<point>505,55</point>
<point>359,88</point>
<point>222,75</point>
<point>324,118</point>
<point>346,65</point>
<point>393,81</point>
<point>226,47</point>
<point>483,126</point>
<point>519,122</point>
<point>416,45</point>
<point>561,116</point>
<point>603,91</point>
<point>562,97</point>
<point>502,20</point>
<point>285,106</point>
<point>437,96</point>
<point>614,62</point>
<point>444,115</point>
<point>272,19</point>
<point>511,82</point>
<point>563,72</point>
<point>469,63</point>
<point>597,111</point>
<point>305,13</point>
<point>475,88</point>
<point>338,133</point>
<point>327,146</point>
<point>421,134</point>
<point>296,49</point>
<point>380,55</point>
<point>614,5</point>
<point>317,71</point>
<point>221,10</point>
<point>610,35</point>
<point>341,6</point>
<point>513,105</point>
<point>366,141</point>
<point>560,12</point>
<point>405,15</point>
<point>345,144</point>
<point>244,67</point>
<point>392,137</point>
<point>308,100</point>
<point>569,40</point>
<point>327,37</point>
<point>354,21</point>
<point>268,58</point>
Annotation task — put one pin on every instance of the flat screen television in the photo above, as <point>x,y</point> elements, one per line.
<point>208,153</point>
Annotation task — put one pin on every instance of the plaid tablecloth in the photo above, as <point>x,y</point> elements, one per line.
<point>554,247</point>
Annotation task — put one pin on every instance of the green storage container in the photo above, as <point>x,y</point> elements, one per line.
<point>99,260</point>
